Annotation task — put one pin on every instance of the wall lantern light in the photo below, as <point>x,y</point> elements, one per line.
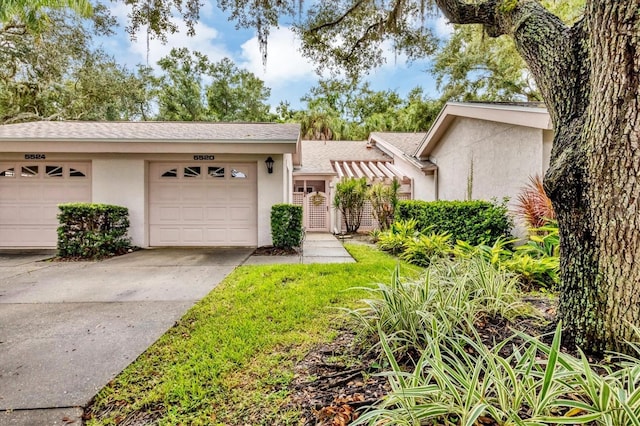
<point>269,163</point>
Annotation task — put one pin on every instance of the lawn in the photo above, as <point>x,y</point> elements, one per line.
<point>230,358</point>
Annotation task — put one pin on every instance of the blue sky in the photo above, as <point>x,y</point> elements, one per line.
<point>288,74</point>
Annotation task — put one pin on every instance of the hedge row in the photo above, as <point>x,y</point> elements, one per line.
<point>476,222</point>
<point>89,230</point>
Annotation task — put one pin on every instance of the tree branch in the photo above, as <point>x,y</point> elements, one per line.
<point>339,19</point>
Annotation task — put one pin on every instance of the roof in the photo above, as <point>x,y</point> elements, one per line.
<point>317,156</point>
<point>407,143</point>
<point>149,131</point>
<point>531,115</point>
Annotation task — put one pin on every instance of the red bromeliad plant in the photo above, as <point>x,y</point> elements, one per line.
<point>533,204</point>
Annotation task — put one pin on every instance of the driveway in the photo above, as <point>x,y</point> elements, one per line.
<point>67,328</point>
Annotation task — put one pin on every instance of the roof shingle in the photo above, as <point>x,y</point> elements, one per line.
<point>149,131</point>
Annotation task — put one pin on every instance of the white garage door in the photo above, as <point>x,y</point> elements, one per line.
<point>29,198</point>
<point>203,204</point>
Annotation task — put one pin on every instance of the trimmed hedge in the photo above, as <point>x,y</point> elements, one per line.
<point>476,222</point>
<point>286,225</point>
<point>90,230</point>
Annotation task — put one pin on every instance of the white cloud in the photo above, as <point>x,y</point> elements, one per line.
<point>206,40</point>
<point>284,61</point>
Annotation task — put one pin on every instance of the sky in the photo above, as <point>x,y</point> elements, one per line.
<point>287,72</point>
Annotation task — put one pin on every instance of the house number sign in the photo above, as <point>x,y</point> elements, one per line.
<point>35,157</point>
<point>204,157</point>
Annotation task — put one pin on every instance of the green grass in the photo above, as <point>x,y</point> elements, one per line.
<point>229,359</point>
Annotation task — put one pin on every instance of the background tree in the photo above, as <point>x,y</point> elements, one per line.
<point>55,73</point>
<point>192,88</point>
<point>236,94</point>
<point>180,90</point>
<point>348,110</point>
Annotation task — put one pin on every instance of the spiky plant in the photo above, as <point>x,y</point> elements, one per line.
<point>533,204</point>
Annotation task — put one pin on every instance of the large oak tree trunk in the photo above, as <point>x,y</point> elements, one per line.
<point>589,76</point>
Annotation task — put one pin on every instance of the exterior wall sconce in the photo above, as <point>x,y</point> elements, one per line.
<point>269,163</point>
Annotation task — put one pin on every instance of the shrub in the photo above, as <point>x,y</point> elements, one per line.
<point>422,249</point>
<point>350,197</point>
<point>90,230</point>
<point>286,225</point>
<point>476,222</point>
<point>395,239</point>
<point>384,200</point>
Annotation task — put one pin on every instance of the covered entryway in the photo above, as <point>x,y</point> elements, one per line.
<point>203,204</point>
<point>29,196</point>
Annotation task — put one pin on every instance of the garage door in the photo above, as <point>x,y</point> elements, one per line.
<point>29,198</point>
<point>203,204</point>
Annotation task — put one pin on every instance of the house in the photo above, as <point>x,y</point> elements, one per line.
<point>473,151</point>
<point>185,184</point>
<point>209,184</point>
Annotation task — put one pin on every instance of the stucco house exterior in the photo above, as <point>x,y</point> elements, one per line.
<point>479,151</point>
<point>185,184</point>
<point>207,184</point>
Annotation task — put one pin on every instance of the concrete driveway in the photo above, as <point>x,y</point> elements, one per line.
<point>67,328</point>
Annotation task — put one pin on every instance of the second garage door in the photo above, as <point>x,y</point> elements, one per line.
<point>203,204</point>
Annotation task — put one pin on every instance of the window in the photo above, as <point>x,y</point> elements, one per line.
<point>192,171</point>
<point>238,174</point>
<point>76,173</point>
<point>29,171</point>
<point>216,172</point>
<point>53,171</point>
<point>10,172</point>
<point>171,173</point>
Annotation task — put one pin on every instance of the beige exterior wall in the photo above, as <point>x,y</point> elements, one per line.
<point>547,137</point>
<point>270,192</point>
<point>423,186</point>
<point>122,182</point>
<point>499,157</point>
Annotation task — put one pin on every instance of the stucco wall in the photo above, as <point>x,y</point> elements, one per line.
<point>123,182</point>
<point>270,192</point>
<point>496,158</point>
<point>423,186</point>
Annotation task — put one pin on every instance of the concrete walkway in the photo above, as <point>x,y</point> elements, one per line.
<point>67,328</point>
<point>316,248</point>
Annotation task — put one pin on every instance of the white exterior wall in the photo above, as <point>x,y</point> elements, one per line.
<point>122,182</point>
<point>500,156</point>
<point>271,191</point>
<point>423,186</point>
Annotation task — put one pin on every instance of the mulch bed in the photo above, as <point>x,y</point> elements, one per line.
<point>275,251</point>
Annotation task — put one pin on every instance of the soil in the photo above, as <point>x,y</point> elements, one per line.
<point>275,251</point>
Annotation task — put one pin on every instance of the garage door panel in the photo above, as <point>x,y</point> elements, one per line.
<point>9,192</point>
<point>191,214</point>
<point>216,214</point>
<point>193,235</point>
<point>209,203</point>
<point>241,214</point>
<point>165,214</point>
<point>192,192</point>
<point>217,235</point>
<point>29,200</point>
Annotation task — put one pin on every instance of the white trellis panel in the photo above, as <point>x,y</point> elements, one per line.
<point>316,212</point>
